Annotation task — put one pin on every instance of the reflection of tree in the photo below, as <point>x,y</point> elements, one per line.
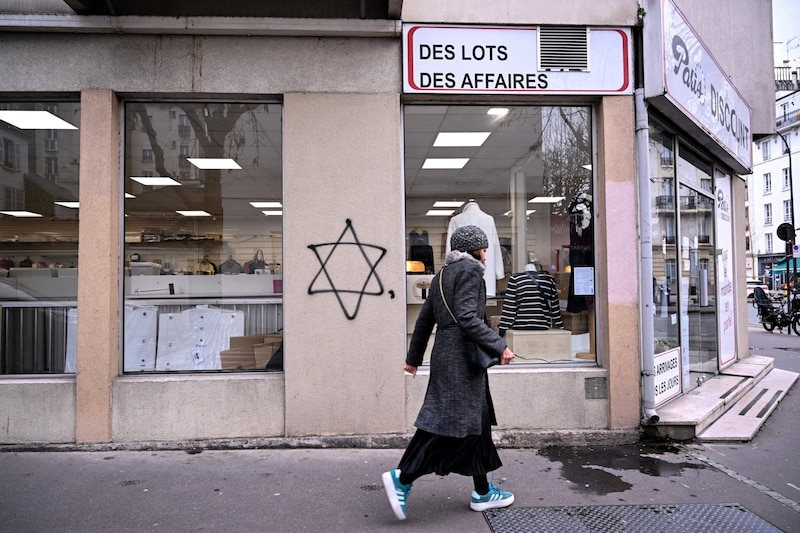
<point>220,131</point>
<point>567,154</point>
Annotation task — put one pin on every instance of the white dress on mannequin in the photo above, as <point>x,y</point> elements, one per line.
<point>472,215</point>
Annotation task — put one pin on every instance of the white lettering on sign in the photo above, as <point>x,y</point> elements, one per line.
<point>667,381</point>
<point>468,60</point>
<point>695,83</point>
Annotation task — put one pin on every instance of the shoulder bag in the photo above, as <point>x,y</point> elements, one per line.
<point>476,355</point>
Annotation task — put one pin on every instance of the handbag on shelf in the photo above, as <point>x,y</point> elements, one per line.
<point>256,263</point>
<point>476,355</point>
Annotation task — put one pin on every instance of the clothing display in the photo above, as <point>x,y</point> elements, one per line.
<point>581,247</point>
<point>418,237</point>
<point>530,303</point>
<point>472,215</point>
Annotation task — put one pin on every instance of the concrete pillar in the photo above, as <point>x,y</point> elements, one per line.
<point>618,298</point>
<point>344,351</point>
<point>98,266</point>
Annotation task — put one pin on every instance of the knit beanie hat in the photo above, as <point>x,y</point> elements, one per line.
<point>468,239</point>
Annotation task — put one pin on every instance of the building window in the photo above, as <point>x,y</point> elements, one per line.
<point>786,146</point>
<point>38,319</point>
<point>787,181</point>
<point>203,280</point>
<point>787,211</point>
<point>767,183</point>
<point>51,167</point>
<point>765,150</point>
<point>767,214</point>
<point>522,173</point>
<point>768,243</point>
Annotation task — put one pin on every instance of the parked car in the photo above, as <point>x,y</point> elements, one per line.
<point>752,284</point>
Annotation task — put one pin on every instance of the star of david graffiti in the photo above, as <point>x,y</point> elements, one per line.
<point>342,270</point>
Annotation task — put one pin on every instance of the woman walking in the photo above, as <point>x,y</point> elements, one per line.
<point>454,424</point>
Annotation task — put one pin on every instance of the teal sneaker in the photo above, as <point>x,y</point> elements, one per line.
<point>397,493</point>
<point>491,500</point>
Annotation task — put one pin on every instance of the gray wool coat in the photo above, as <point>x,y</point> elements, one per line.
<point>458,393</point>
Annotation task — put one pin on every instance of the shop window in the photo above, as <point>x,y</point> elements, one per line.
<point>38,237</point>
<point>203,237</point>
<point>524,174</point>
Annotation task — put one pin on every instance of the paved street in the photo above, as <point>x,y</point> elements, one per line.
<point>331,490</point>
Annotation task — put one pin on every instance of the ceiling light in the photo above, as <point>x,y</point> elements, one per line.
<point>443,203</point>
<point>71,205</point>
<point>266,205</point>
<point>273,213</point>
<point>461,138</point>
<point>194,213</point>
<point>20,214</point>
<point>440,163</point>
<point>209,163</point>
<point>439,212</point>
<point>129,195</point>
<point>545,199</point>
<point>498,111</point>
<point>35,120</point>
<point>155,180</point>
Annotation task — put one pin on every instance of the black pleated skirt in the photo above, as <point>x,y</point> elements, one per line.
<point>472,455</point>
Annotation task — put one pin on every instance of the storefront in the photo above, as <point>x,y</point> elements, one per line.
<point>261,216</point>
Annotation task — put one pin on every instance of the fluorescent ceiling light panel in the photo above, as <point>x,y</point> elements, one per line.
<point>71,205</point>
<point>266,205</point>
<point>155,180</point>
<point>20,214</point>
<point>35,120</point>
<point>498,111</point>
<point>209,163</point>
<point>445,203</point>
<point>273,213</point>
<point>439,212</point>
<point>441,163</point>
<point>194,213</point>
<point>545,199</point>
<point>129,195</point>
<point>461,138</point>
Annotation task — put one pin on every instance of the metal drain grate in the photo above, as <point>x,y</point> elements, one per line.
<point>695,517</point>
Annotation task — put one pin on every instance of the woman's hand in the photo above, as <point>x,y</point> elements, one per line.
<point>411,369</point>
<point>506,357</point>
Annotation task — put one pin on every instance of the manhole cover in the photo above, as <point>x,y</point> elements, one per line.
<point>700,518</point>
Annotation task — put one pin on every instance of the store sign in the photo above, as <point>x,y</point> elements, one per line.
<point>668,375</point>
<point>502,60</point>
<point>683,78</point>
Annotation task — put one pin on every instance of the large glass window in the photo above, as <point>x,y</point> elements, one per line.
<point>203,237</point>
<point>39,170</point>
<point>665,249</point>
<point>524,174</point>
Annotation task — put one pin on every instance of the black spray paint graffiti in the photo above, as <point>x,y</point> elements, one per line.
<point>341,267</point>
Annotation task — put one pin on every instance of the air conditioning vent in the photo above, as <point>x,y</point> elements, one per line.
<point>564,48</point>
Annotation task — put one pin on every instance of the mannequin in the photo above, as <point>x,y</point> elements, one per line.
<point>472,215</point>
<point>530,302</point>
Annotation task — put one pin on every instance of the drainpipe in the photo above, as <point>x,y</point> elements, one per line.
<point>646,305</point>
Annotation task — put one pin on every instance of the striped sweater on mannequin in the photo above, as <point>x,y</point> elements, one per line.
<point>530,303</point>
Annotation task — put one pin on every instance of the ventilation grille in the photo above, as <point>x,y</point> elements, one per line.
<point>564,48</point>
